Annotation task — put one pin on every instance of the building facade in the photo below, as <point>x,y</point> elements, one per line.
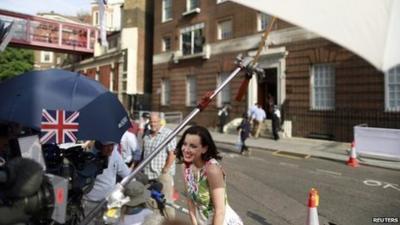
<point>124,66</point>
<point>323,89</point>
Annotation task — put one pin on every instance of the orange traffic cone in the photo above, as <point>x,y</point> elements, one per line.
<point>353,162</point>
<point>313,201</point>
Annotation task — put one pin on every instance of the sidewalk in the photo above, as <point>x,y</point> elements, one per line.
<point>330,150</point>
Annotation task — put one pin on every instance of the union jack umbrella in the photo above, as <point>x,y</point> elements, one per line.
<point>65,96</point>
<point>59,126</point>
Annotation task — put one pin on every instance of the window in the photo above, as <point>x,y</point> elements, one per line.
<point>392,89</point>
<point>46,57</point>
<point>166,10</point>
<point>96,20</point>
<point>97,76</point>
<point>323,87</point>
<point>225,95</point>
<point>166,44</point>
<point>192,39</point>
<point>191,91</point>
<point>165,92</point>
<point>263,21</point>
<point>192,5</point>
<point>225,29</point>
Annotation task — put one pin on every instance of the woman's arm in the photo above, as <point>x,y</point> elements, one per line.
<point>216,183</point>
<point>192,212</point>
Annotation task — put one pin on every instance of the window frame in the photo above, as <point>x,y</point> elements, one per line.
<point>189,6</point>
<point>325,89</point>
<point>259,21</point>
<point>165,92</point>
<point>191,89</point>
<point>43,55</point>
<point>220,97</point>
<point>220,34</point>
<point>96,18</point>
<point>164,11</point>
<point>163,44</point>
<point>396,84</point>
<point>191,29</point>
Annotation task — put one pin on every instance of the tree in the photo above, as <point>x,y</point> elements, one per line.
<point>14,61</point>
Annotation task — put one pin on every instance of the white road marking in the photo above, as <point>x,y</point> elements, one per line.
<point>289,164</point>
<point>230,155</point>
<point>329,172</point>
<point>383,184</point>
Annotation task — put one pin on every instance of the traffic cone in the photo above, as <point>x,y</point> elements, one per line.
<point>313,201</point>
<point>353,162</point>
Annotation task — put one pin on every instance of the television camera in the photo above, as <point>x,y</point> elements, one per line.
<point>45,184</point>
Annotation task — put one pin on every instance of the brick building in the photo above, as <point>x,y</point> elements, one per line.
<point>323,89</point>
<point>124,66</point>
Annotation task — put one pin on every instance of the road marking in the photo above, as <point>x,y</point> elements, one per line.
<point>291,155</point>
<point>289,164</point>
<point>329,172</point>
<point>383,184</point>
<point>230,155</point>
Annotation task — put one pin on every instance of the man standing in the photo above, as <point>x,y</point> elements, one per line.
<point>162,167</point>
<point>276,117</point>
<point>129,147</point>
<point>105,181</point>
<point>258,117</point>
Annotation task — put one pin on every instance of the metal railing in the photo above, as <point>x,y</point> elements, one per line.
<point>337,124</point>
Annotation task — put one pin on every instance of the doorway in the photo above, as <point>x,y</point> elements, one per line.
<point>268,87</point>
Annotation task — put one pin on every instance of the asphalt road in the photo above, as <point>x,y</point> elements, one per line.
<point>266,188</point>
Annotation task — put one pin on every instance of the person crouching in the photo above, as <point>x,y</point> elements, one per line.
<point>136,212</point>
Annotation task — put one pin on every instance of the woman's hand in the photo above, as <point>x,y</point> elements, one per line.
<point>192,212</point>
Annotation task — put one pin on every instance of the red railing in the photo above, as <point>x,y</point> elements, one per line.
<point>41,33</point>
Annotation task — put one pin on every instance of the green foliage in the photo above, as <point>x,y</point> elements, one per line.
<point>15,61</point>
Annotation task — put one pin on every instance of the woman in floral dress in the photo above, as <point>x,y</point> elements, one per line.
<point>204,179</point>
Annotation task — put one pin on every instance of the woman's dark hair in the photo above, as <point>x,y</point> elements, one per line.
<point>205,140</point>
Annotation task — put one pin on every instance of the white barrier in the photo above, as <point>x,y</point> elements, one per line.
<point>377,141</point>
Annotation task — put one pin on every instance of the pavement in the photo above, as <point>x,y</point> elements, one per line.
<point>301,147</point>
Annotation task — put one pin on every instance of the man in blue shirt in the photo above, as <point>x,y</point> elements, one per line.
<point>106,181</point>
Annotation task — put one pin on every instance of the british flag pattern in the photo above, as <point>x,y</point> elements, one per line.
<point>59,126</point>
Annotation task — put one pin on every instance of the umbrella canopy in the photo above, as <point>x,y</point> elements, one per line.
<point>101,115</point>
<point>369,28</point>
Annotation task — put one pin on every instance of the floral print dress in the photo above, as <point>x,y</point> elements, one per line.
<point>199,192</point>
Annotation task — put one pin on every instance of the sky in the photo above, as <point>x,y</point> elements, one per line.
<point>65,7</point>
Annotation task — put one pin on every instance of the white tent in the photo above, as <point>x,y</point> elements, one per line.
<point>369,28</point>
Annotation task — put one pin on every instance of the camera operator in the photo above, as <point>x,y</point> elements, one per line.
<point>104,182</point>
